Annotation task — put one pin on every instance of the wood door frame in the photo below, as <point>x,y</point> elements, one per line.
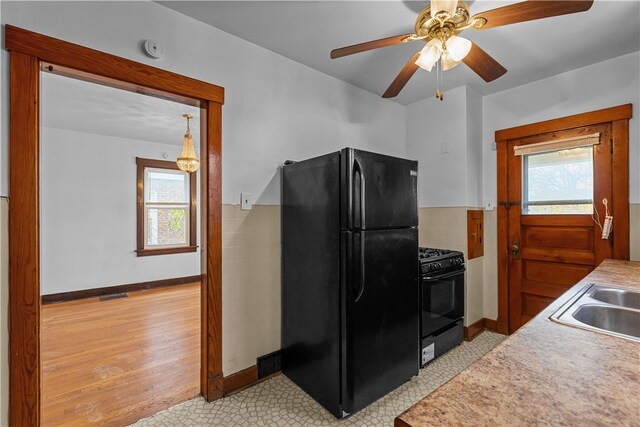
<point>619,118</point>
<point>30,51</point>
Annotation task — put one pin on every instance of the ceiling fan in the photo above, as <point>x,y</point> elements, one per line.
<point>439,24</point>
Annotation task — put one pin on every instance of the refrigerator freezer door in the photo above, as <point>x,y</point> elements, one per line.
<point>379,192</point>
<point>382,314</point>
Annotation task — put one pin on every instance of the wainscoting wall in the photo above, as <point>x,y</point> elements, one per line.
<point>250,285</point>
<point>4,313</point>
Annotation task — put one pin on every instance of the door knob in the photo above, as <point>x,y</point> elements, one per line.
<point>515,250</point>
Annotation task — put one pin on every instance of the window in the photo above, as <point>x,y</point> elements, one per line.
<point>558,182</point>
<point>166,210</point>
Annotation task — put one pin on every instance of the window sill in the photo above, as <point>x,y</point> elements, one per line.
<point>166,251</point>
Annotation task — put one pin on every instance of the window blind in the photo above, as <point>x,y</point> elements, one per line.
<point>558,144</point>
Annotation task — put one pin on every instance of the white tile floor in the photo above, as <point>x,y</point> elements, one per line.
<point>279,402</point>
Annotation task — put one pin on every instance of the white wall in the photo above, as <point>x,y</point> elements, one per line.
<point>432,124</point>
<point>275,109</point>
<point>88,213</point>
<point>474,148</point>
<point>602,85</point>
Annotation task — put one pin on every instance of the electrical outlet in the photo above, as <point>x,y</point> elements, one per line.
<point>489,206</point>
<point>245,201</point>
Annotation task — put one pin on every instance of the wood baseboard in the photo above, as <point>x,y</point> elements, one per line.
<point>473,330</point>
<point>244,379</point>
<point>118,289</point>
<point>491,325</point>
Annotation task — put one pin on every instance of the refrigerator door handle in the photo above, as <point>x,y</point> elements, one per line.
<point>362,269</point>
<point>357,169</point>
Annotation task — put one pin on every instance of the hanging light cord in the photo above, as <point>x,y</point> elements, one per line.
<point>439,80</point>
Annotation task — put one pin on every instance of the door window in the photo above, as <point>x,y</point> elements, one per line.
<point>558,182</point>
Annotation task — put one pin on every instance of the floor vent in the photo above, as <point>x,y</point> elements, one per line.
<point>269,364</point>
<point>113,296</point>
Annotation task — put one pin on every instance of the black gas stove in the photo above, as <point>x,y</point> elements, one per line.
<point>435,261</point>
<point>441,301</point>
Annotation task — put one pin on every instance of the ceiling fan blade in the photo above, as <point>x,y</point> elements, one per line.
<point>363,47</point>
<point>403,77</point>
<point>531,10</point>
<point>483,64</point>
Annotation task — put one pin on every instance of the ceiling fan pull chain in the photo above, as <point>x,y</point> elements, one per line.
<point>438,79</point>
<point>441,81</point>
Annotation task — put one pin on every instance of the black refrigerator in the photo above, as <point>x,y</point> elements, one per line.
<point>350,295</point>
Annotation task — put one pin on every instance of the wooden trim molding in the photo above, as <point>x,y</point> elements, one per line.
<point>240,379</point>
<point>29,52</point>
<point>24,242</point>
<point>620,167</point>
<point>491,325</point>
<point>244,379</point>
<point>74,57</point>
<point>621,112</point>
<point>473,330</point>
<point>117,289</point>
<point>166,251</point>
<point>141,164</point>
<point>212,223</point>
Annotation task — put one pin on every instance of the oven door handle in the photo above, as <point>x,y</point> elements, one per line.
<point>444,276</point>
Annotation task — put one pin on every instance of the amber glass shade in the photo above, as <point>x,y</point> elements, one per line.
<point>187,160</point>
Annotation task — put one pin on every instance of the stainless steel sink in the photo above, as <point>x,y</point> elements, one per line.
<point>619,297</point>
<point>605,309</point>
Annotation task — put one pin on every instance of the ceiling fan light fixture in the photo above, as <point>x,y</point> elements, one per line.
<point>447,61</point>
<point>458,47</point>
<point>447,6</point>
<point>429,54</point>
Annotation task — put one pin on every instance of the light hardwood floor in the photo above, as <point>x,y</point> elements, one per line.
<point>114,362</point>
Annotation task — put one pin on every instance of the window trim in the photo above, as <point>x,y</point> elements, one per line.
<point>141,250</point>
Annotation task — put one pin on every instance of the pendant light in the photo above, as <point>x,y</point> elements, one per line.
<point>187,160</point>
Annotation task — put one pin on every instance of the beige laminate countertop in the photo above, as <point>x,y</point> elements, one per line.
<point>546,374</point>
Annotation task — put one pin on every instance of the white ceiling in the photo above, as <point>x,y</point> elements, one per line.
<point>306,31</point>
<point>87,107</point>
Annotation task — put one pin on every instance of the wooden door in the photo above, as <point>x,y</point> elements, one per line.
<point>549,253</point>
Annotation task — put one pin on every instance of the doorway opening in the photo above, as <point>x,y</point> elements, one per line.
<point>120,318</point>
<point>29,53</point>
